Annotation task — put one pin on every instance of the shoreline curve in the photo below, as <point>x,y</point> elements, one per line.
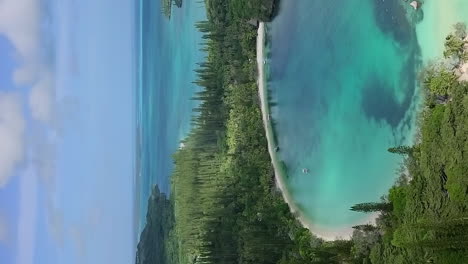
<point>280,175</point>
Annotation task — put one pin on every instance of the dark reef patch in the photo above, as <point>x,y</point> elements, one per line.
<point>391,18</point>
<point>379,103</point>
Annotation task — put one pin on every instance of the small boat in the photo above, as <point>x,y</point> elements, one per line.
<point>305,170</point>
<point>264,62</point>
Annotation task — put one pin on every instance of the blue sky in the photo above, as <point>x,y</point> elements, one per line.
<point>66,131</point>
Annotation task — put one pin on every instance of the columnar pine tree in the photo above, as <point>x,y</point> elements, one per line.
<point>402,150</point>
<point>372,207</point>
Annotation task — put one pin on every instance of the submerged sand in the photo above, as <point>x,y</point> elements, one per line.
<point>280,175</point>
<point>439,20</point>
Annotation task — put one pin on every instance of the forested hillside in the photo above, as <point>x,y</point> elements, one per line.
<point>227,208</point>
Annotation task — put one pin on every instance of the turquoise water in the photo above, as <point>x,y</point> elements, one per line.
<point>342,76</point>
<point>168,54</point>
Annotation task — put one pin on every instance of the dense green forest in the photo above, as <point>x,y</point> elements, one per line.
<point>227,208</point>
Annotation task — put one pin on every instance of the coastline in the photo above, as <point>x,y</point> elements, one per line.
<point>324,233</point>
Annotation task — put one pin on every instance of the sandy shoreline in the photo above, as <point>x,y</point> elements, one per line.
<point>324,233</point>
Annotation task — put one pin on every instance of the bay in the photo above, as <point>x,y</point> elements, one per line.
<point>343,79</point>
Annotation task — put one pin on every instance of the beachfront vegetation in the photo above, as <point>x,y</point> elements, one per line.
<point>428,222</point>
<point>402,150</point>
<point>372,207</point>
<point>455,43</point>
<point>253,9</point>
<point>438,80</point>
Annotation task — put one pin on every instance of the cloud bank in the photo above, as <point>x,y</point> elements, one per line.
<point>40,99</point>
<point>20,24</point>
<point>12,127</point>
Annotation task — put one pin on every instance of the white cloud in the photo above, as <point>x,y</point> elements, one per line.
<point>12,126</point>
<point>20,24</point>
<point>19,21</point>
<point>40,99</point>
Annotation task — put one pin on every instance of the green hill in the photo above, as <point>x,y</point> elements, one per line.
<point>156,241</point>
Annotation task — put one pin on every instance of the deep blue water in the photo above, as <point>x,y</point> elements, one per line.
<point>168,54</point>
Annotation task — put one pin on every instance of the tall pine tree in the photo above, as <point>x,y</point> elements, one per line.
<point>372,207</point>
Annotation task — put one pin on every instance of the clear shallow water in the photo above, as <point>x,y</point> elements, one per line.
<point>439,18</point>
<point>168,54</point>
<point>343,80</point>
